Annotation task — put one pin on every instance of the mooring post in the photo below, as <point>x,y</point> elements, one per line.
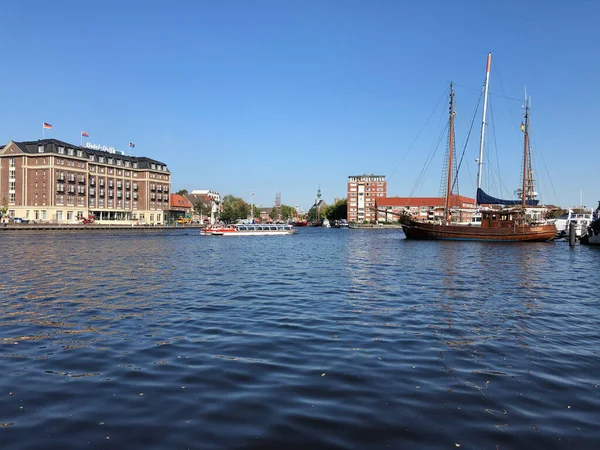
<point>572,236</point>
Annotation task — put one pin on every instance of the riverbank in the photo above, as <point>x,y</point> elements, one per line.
<point>93,227</point>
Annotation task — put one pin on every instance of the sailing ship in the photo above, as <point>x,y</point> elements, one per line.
<point>509,224</point>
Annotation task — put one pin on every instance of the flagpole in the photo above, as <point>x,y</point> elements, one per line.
<point>81,139</point>
<point>43,128</point>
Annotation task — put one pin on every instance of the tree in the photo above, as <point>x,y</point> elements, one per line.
<point>182,192</point>
<point>203,208</point>
<point>283,212</point>
<point>256,211</point>
<point>234,208</point>
<point>337,211</point>
<point>4,207</point>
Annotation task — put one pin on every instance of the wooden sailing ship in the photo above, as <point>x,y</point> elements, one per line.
<point>508,224</point>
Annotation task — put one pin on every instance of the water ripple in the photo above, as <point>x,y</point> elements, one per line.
<point>327,339</point>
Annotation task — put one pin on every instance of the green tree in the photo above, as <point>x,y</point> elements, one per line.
<point>275,213</point>
<point>182,192</point>
<point>283,212</point>
<point>202,208</point>
<point>288,212</point>
<point>234,208</point>
<point>4,207</point>
<point>337,211</point>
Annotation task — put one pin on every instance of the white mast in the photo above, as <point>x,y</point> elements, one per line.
<point>485,100</point>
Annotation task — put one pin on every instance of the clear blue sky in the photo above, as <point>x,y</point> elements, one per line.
<point>271,95</point>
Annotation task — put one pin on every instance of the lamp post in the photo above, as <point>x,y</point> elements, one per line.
<point>252,207</point>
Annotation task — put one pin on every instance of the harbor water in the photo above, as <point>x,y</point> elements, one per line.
<point>331,338</point>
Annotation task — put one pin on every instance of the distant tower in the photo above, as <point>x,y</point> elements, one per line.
<point>317,205</point>
<point>278,200</point>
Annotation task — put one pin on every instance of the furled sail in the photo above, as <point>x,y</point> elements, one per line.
<point>485,199</point>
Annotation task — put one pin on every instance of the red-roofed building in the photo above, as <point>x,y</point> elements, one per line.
<point>179,206</point>
<point>426,208</point>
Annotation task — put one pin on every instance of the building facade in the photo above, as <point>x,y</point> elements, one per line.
<point>209,205</point>
<point>53,181</point>
<point>363,192</point>
<point>426,209</point>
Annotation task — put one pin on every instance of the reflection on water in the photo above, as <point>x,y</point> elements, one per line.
<point>327,339</point>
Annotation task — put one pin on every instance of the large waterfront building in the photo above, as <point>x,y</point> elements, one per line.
<point>53,181</point>
<point>363,191</point>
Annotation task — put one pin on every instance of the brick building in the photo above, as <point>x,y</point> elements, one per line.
<point>363,191</point>
<point>53,181</point>
<point>426,208</point>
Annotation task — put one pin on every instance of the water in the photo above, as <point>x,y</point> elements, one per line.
<point>327,339</point>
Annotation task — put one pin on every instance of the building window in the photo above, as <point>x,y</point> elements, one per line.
<point>11,197</point>
<point>43,214</point>
<point>59,215</point>
<point>70,152</point>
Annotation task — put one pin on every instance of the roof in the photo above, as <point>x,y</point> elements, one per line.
<point>455,200</point>
<point>52,145</point>
<point>179,201</point>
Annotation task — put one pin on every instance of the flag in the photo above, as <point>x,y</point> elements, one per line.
<point>522,127</point>
<point>84,134</point>
<point>132,145</point>
<point>47,126</point>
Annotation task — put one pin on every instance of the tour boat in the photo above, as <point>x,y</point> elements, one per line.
<point>514,224</point>
<point>248,230</point>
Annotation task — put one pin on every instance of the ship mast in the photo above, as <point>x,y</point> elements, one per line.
<point>481,139</point>
<point>447,214</point>
<point>525,156</point>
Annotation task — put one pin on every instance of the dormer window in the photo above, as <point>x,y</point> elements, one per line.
<point>61,150</point>
<point>70,152</point>
<point>40,149</point>
<point>92,158</point>
<point>79,153</point>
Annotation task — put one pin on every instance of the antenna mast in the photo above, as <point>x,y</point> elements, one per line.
<point>481,139</point>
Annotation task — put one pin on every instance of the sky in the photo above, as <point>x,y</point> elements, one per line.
<point>271,96</point>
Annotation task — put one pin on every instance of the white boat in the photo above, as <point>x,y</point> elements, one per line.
<point>243,229</point>
<point>326,223</point>
<point>581,218</point>
<point>592,234</point>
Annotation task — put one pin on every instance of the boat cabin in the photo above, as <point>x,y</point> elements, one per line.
<point>257,227</point>
<point>502,219</point>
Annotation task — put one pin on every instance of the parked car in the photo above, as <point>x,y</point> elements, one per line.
<point>18,220</point>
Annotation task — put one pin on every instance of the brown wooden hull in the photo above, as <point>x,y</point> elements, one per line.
<point>430,231</point>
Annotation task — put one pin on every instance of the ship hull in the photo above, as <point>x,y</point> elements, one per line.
<point>430,231</point>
